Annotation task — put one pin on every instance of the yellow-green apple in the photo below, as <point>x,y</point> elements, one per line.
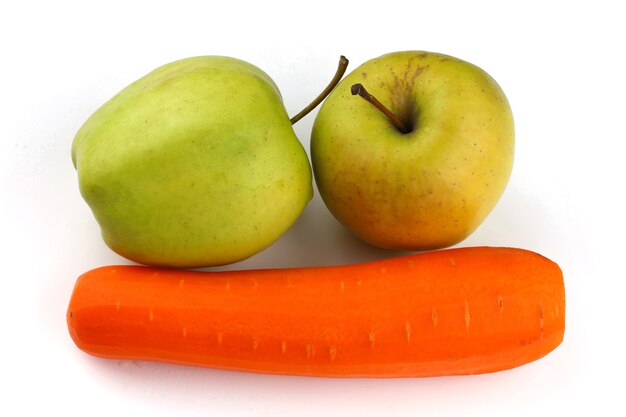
<point>195,164</point>
<point>421,158</point>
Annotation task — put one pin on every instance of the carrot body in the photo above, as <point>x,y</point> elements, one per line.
<point>451,312</point>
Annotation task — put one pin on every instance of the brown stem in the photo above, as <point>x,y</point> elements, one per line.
<point>341,69</point>
<point>361,91</point>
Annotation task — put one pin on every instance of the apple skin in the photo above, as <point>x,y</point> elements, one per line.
<point>426,189</point>
<point>196,164</point>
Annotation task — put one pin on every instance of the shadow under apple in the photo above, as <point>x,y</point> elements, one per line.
<point>520,219</point>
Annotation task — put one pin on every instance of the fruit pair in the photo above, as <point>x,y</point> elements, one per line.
<point>197,164</point>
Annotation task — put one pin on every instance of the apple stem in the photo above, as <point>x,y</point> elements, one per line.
<point>341,69</point>
<point>358,89</point>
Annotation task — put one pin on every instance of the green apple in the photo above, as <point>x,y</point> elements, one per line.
<point>195,164</point>
<point>422,167</point>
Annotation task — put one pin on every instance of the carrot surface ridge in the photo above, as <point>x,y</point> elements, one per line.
<point>449,312</point>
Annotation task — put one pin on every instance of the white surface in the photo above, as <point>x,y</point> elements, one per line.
<point>562,66</point>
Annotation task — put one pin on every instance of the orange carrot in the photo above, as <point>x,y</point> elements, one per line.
<point>450,312</point>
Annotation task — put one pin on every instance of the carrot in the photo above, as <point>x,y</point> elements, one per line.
<point>450,312</point>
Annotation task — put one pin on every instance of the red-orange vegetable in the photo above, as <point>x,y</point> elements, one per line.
<point>451,312</point>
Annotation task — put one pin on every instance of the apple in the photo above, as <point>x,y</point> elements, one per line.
<point>419,160</point>
<point>195,164</point>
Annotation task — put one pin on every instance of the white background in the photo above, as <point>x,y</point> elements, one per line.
<point>562,66</point>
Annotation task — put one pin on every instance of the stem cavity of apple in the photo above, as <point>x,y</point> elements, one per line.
<point>358,89</point>
<point>341,69</point>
